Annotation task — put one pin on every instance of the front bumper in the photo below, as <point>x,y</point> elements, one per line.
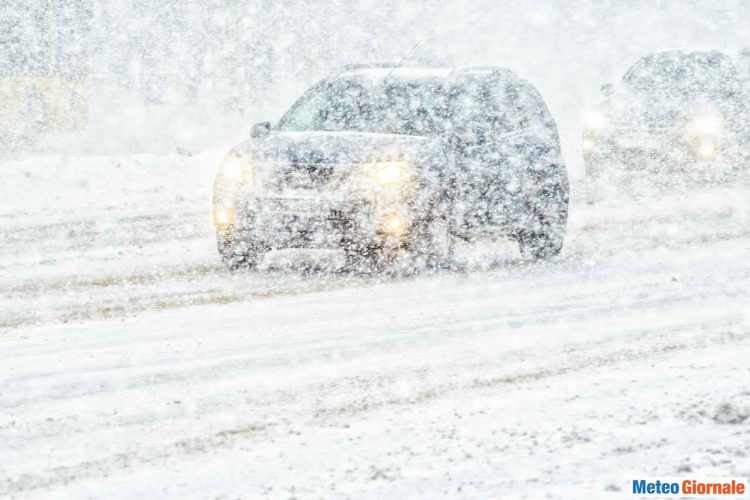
<point>319,222</point>
<point>643,147</point>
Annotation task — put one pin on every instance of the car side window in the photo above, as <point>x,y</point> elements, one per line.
<point>333,106</point>
<point>473,105</point>
<point>305,112</point>
<point>524,107</point>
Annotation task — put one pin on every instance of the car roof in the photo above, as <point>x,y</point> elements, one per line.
<point>377,73</point>
<point>729,53</point>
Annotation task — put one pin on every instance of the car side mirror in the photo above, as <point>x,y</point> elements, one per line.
<point>453,142</point>
<point>261,129</point>
<point>607,89</point>
<point>471,135</point>
<point>480,135</point>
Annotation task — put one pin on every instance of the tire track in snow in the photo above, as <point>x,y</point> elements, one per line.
<point>646,345</point>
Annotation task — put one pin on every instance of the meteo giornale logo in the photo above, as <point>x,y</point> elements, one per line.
<point>706,487</point>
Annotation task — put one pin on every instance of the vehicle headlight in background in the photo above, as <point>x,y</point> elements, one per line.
<point>593,119</point>
<point>707,148</point>
<point>386,173</point>
<point>704,124</point>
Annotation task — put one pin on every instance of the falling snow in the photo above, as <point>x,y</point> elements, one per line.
<point>372,249</point>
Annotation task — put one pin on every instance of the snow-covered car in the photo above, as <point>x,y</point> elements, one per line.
<point>674,110</point>
<point>384,161</point>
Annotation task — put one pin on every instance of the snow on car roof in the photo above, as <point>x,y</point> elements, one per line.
<point>395,73</point>
<point>696,48</point>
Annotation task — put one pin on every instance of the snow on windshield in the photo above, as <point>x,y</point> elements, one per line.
<point>389,108</point>
<point>683,73</point>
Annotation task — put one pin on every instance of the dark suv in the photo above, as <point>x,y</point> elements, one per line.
<point>385,162</point>
<point>676,110</point>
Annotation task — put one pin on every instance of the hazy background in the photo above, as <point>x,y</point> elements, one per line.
<point>196,74</point>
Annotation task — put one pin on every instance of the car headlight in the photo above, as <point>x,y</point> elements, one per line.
<point>386,173</point>
<point>235,170</point>
<point>707,148</point>
<point>393,224</point>
<point>223,216</point>
<point>235,173</point>
<point>593,119</point>
<point>705,124</point>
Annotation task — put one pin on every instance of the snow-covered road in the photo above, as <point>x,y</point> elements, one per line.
<point>155,373</point>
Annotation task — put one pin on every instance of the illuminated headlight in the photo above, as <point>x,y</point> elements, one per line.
<point>223,216</point>
<point>706,124</point>
<point>235,169</point>
<point>386,173</point>
<point>235,173</point>
<point>390,174</point>
<point>593,119</point>
<point>393,224</point>
<point>707,149</point>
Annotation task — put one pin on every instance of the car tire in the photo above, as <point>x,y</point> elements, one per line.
<point>546,219</point>
<point>539,245</point>
<point>238,251</point>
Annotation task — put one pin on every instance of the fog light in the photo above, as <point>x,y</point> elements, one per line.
<point>706,149</point>
<point>223,216</point>
<point>393,224</point>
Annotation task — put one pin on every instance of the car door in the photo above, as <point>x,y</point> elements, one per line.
<point>508,135</point>
<point>526,140</point>
<point>502,119</point>
<point>476,117</point>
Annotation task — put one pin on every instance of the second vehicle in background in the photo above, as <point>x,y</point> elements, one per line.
<point>673,111</point>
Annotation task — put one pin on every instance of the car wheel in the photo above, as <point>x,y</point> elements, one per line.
<point>539,245</point>
<point>238,252</point>
<point>547,218</point>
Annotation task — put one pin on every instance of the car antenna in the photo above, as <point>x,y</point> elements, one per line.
<point>398,65</point>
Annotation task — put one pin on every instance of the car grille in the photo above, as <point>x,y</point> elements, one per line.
<point>313,176</point>
<point>295,205</point>
<point>650,121</point>
<point>302,230</point>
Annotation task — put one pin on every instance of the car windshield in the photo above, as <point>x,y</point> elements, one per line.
<point>411,108</point>
<point>679,74</point>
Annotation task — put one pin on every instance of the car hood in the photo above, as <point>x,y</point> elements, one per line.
<point>336,147</point>
<point>625,109</point>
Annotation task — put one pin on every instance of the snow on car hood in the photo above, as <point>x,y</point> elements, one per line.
<point>336,147</point>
